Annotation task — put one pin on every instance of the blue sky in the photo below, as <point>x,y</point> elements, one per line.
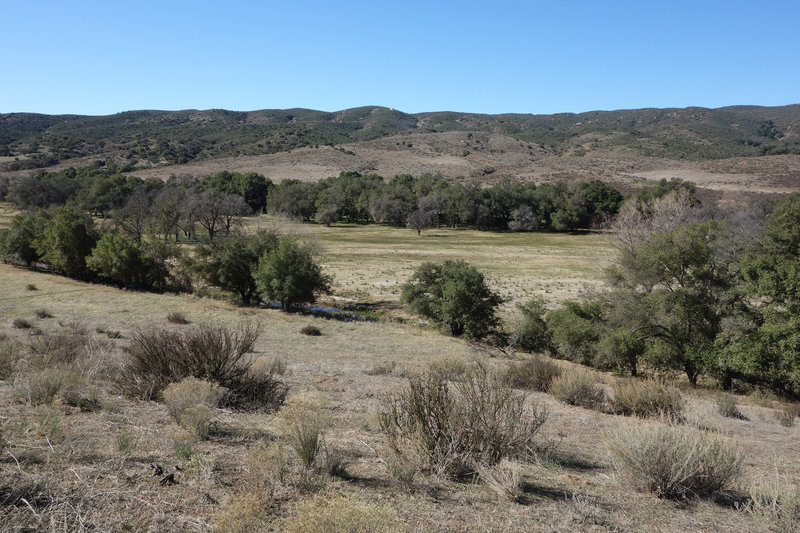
<point>524,57</point>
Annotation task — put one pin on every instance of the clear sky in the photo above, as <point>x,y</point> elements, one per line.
<point>89,57</point>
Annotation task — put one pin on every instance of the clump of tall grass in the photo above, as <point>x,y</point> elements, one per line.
<point>673,462</point>
<point>775,505</point>
<point>302,423</point>
<point>535,373</point>
<point>191,403</point>
<point>646,398</point>
<point>454,427</point>
<point>578,388</point>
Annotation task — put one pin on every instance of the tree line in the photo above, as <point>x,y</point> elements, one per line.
<point>404,201</point>
<point>430,200</point>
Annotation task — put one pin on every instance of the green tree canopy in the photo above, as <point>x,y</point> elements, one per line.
<point>289,275</point>
<point>66,240</point>
<point>455,296</point>
<point>230,263</point>
<point>17,243</point>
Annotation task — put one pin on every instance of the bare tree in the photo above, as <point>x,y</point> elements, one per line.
<point>419,219</point>
<point>167,211</point>
<point>133,218</point>
<point>189,209</point>
<point>524,218</point>
<point>209,211</point>
<point>635,223</point>
<point>233,206</point>
<point>433,204</point>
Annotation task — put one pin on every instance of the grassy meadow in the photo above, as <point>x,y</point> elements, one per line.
<point>71,468</point>
<point>369,263</point>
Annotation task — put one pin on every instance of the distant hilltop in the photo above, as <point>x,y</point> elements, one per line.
<point>149,139</point>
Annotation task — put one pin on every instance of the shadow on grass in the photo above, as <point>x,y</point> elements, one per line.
<point>572,462</point>
<point>732,499</point>
<point>531,492</point>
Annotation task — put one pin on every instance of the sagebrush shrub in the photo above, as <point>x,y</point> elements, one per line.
<point>219,354</point>
<point>535,373</point>
<point>325,513</point>
<point>578,388</point>
<point>453,428</point>
<point>727,407</point>
<point>646,398</point>
<point>673,462</point>
<point>176,317</point>
<point>311,331</point>
<point>191,401</point>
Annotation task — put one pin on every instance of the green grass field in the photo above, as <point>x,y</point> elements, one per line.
<point>370,262</point>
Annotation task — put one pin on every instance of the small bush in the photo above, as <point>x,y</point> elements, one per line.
<point>21,323</point>
<point>776,506</point>
<point>78,392</point>
<point>190,403</point>
<point>258,389</point>
<point>43,313</point>
<point>532,334</point>
<point>786,416</point>
<point>381,369</point>
<point>449,368</point>
<point>41,386</point>
<point>535,373</point>
<point>453,428</point>
<point>126,441</point>
<point>325,513</point>
<point>402,466</point>
<point>9,355</point>
<point>302,423</point>
<point>674,462</point>
<point>31,287</point>
<point>726,406</point>
<point>503,478</point>
<point>47,351</point>
<point>575,330</point>
<point>311,331</point>
<point>161,356</point>
<point>578,388</point>
<point>176,317</point>
<point>646,398</point>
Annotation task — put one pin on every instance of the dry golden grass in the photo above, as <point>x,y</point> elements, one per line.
<point>93,466</point>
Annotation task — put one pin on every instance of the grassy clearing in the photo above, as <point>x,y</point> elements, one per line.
<point>370,262</point>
